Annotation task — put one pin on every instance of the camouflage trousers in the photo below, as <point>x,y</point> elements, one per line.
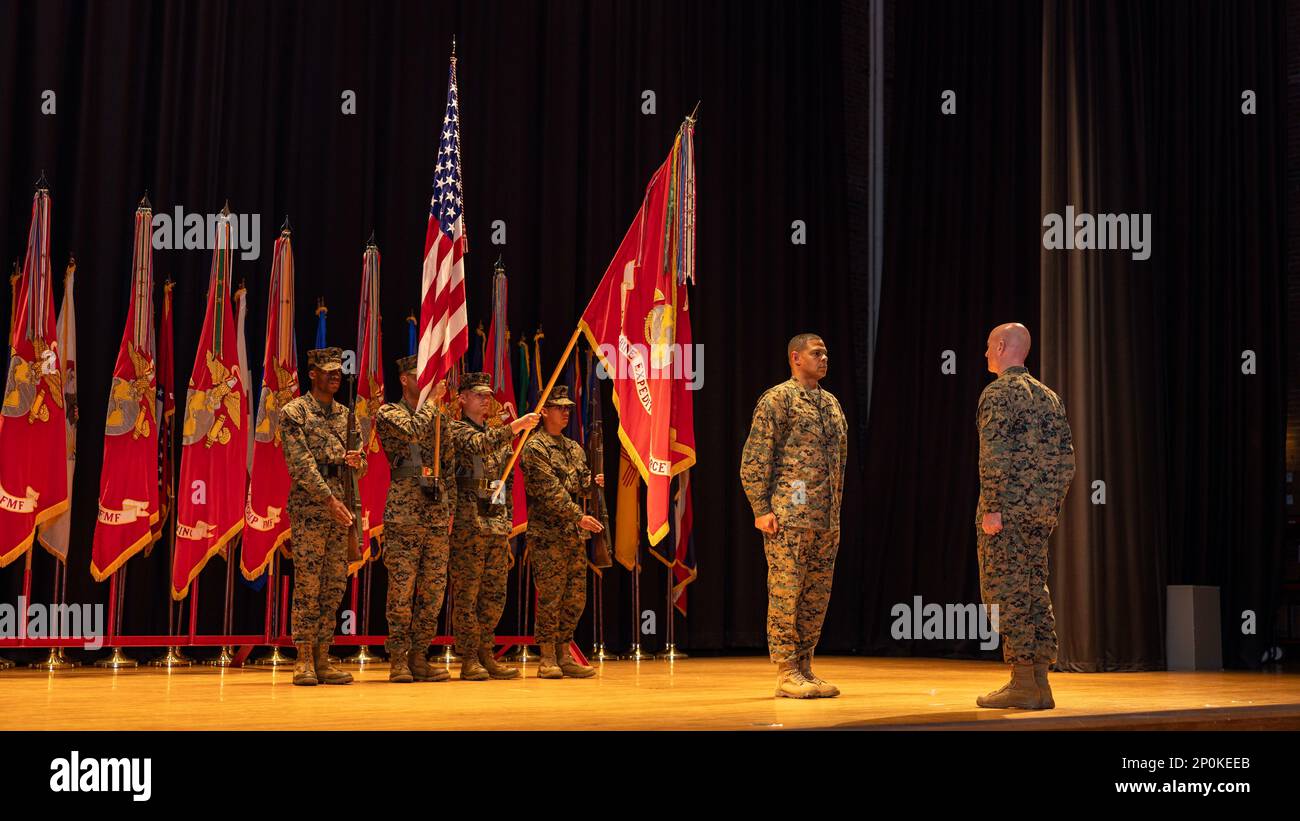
<point>800,565</point>
<point>320,574</point>
<point>1013,575</point>
<point>560,573</point>
<point>416,559</point>
<point>478,575</point>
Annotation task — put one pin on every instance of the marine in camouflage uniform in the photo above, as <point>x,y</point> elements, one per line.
<point>555,477</point>
<point>1026,462</point>
<point>417,525</point>
<point>792,469</point>
<point>481,529</point>
<point>313,431</point>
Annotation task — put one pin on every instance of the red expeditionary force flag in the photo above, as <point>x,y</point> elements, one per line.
<point>444,327</point>
<point>214,448</point>
<point>128,486</point>
<point>634,323</point>
<point>370,396</point>
<point>266,516</point>
<point>33,472</point>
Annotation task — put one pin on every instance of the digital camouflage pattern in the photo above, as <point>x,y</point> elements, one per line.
<point>479,563</point>
<point>312,434</point>
<point>417,536</point>
<point>793,465</point>
<point>480,531</point>
<point>793,461</point>
<point>800,566</point>
<point>481,455</point>
<point>555,476</point>
<point>1025,468</point>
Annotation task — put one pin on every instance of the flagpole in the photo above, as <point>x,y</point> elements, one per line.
<point>226,658</point>
<point>173,657</point>
<point>499,496</point>
<point>56,660</point>
<point>273,659</point>
<point>670,653</point>
<point>117,596</point>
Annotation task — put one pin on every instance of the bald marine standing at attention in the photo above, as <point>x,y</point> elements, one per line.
<point>1026,463</point>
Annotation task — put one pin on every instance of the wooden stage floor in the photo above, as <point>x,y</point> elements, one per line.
<point>693,694</point>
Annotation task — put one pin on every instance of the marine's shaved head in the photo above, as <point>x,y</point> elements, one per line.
<point>1008,346</point>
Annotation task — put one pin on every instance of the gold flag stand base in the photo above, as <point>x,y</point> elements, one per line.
<point>117,661</point>
<point>172,658</point>
<point>671,654</point>
<point>448,656</point>
<point>274,659</point>
<point>55,661</point>
<point>225,658</point>
<point>637,654</point>
<point>522,655</point>
<point>601,653</point>
<point>5,663</point>
<point>364,657</point>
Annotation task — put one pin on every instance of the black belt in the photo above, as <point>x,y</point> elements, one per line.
<point>411,472</point>
<point>330,469</point>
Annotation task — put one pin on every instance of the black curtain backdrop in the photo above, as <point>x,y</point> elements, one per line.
<point>202,101</point>
<point>197,102</point>
<point>1143,114</point>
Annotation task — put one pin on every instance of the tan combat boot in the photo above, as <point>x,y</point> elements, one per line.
<point>1045,700</point>
<point>399,671</point>
<point>790,683</point>
<point>547,668</point>
<point>304,671</point>
<point>471,669</point>
<point>1020,691</point>
<point>495,668</point>
<point>569,666</point>
<point>824,688</point>
<point>327,672</point>
<point>422,670</point>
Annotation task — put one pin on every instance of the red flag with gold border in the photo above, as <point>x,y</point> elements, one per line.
<point>631,323</point>
<point>128,485</point>
<point>33,472</point>
<point>266,516</point>
<point>370,396</point>
<point>214,448</point>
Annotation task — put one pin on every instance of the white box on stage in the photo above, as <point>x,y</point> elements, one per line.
<point>1192,637</point>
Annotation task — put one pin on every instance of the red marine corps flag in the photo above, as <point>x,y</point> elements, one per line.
<point>370,395</point>
<point>266,519</point>
<point>128,485</point>
<point>34,468</point>
<point>632,324</point>
<point>210,493</point>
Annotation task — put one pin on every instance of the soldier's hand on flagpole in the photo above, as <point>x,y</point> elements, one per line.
<point>992,523</point>
<point>766,522</point>
<point>526,422</point>
<point>439,390</point>
<point>590,523</point>
<point>600,479</point>
<point>353,458</point>
<point>339,512</point>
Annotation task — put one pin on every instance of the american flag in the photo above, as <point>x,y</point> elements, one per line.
<point>444,332</point>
